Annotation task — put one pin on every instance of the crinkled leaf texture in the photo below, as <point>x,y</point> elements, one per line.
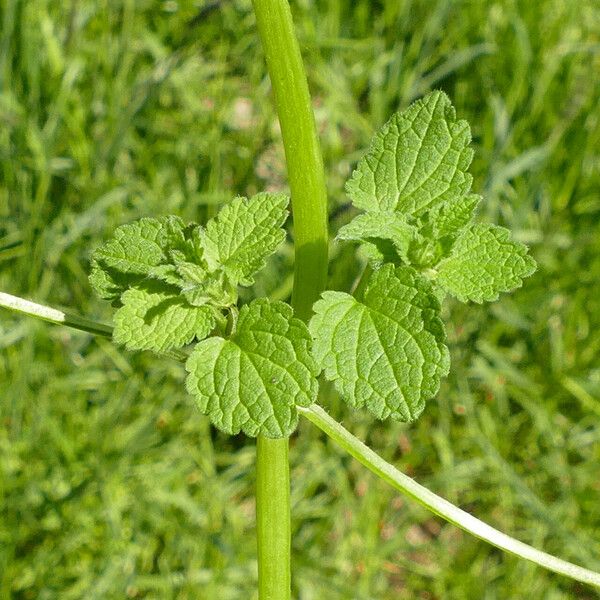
<point>451,218</point>
<point>160,321</point>
<point>373,226</point>
<point>254,381</point>
<point>418,160</point>
<point>132,252</point>
<point>110,284</point>
<point>385,351</point>
<point>415,174</point>
<point>483,263</point>
<point>244,234</point>
<point>173,281</point>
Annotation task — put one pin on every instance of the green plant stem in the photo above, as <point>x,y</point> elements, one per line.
<point>53,315</point>
<point>273,526</point>
<point>309,205</point>
<point>69,319</point>
<point>302,151</point>
<point>438,505</point>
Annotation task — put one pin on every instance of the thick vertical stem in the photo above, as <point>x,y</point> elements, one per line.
<point>302,150</point>
<point>273,519</point>
<point>309,205</point>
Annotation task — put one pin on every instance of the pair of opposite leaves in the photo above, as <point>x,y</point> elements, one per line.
<point>383,348</point>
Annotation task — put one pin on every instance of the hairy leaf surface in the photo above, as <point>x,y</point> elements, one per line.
<point>253,381</point>
<point>137,247</point>
<point>244,234</point>
<point>387,350</point>
<point>159,321</point>
<point>450,218</point>
<point>484,262</point>
<point>134,251</point>
<point>110,284</point>
<point>373,226</point>
<point>417,161</point>
<point>416,171</point>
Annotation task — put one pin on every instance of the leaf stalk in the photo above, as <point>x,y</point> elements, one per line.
<point>438,505</point>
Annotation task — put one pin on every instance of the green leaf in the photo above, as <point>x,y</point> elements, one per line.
<point>159,320</point>
<point>132,254</point>
<point>215,289</point>
<point>108,283</point>
<point>484,262</point>
<point>387,350</point>
<point>191,272</point>
<point>254,381</point>
<point>244,234</point>
<point>137,247</point>
<point>378,252</point>
<point>167,274</point>
<point>450,218</point>
<point>417,161</point>
<point>416,172</point>
<point>198,285</point>
<point>380,226</point>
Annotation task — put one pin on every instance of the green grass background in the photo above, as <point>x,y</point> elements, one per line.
<point>112,485</point>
